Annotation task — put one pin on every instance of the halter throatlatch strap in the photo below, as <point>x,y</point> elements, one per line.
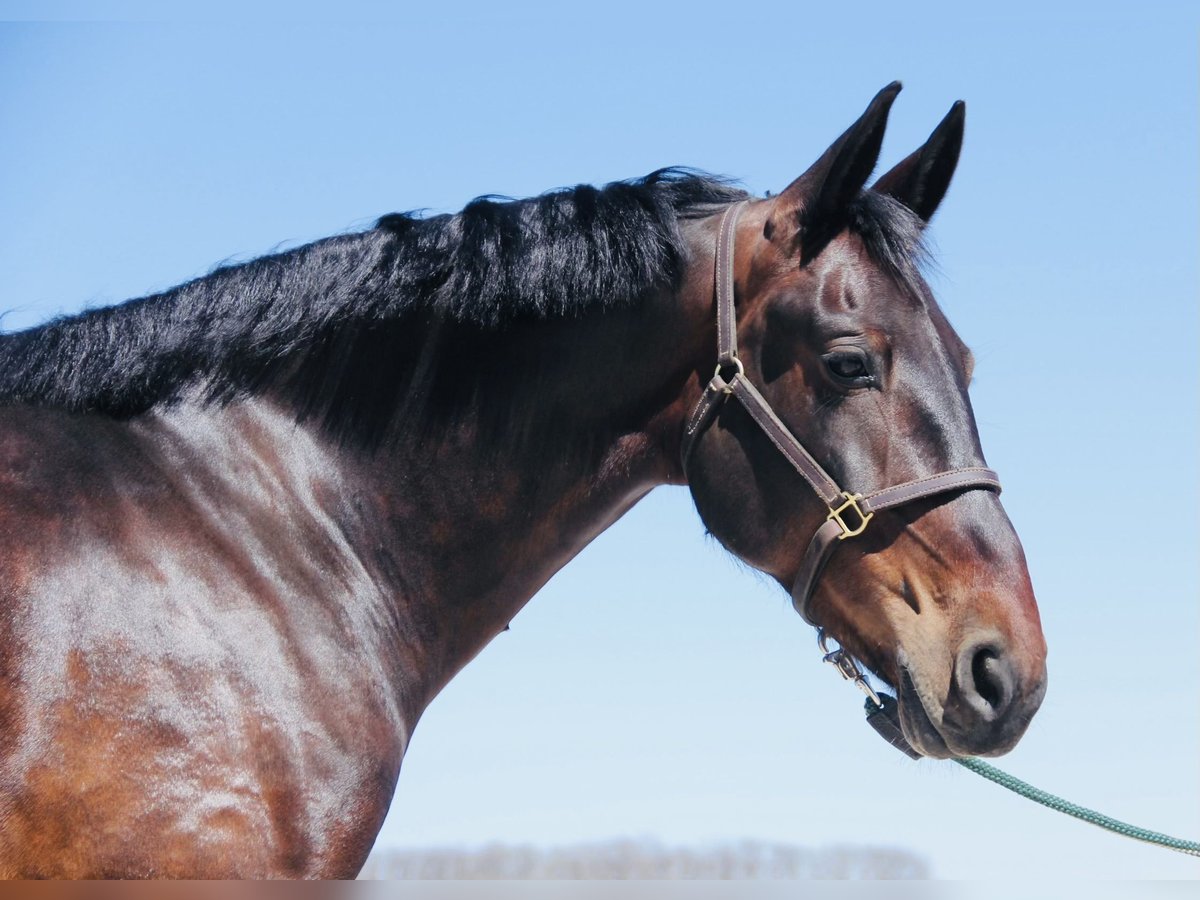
<point>848,513</point>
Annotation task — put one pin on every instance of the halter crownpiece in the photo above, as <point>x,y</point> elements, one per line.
<point>849,513</point>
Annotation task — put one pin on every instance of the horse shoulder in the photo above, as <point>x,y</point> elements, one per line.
<point>181,660</point>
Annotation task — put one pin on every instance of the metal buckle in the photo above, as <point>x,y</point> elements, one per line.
<point>846,665</point>
<point>835,515</point>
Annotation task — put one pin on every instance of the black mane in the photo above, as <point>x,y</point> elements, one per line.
<point>346,322</point>
<point>245,327</point>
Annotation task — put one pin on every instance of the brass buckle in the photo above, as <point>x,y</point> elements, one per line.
<point>835,515</point>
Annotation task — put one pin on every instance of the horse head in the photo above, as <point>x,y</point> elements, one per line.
<point>841,336</point>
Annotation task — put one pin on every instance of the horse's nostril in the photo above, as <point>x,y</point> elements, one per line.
<point>991,677</point>
<point>990,700</point>
<point>985,679</point>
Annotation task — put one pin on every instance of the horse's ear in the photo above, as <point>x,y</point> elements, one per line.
<point>920,180</point>
<point>818,200</point>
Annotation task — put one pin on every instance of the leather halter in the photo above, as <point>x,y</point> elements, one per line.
<point>849,513</point>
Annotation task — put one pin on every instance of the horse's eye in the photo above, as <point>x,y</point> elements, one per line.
<point>848,366</point>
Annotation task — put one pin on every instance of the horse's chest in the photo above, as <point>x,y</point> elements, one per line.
<point>191,738</point>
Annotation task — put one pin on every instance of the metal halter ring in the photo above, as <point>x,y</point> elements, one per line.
<point>737,365</point>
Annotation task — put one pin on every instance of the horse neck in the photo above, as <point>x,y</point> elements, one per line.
<point>466,531</point>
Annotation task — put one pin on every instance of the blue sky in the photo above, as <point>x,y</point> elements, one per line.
<point>655,687</point>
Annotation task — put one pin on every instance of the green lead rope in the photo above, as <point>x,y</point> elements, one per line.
<point>1017,786</point>
<point>885,719</point>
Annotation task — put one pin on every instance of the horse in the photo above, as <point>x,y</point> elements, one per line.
<point>250,526</point>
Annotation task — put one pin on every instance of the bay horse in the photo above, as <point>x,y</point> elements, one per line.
<point>250,527</point>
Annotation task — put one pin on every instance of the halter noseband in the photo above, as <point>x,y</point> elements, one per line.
<point>849,513</point>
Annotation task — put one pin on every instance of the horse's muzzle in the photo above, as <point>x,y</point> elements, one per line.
<point>989,704</point>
